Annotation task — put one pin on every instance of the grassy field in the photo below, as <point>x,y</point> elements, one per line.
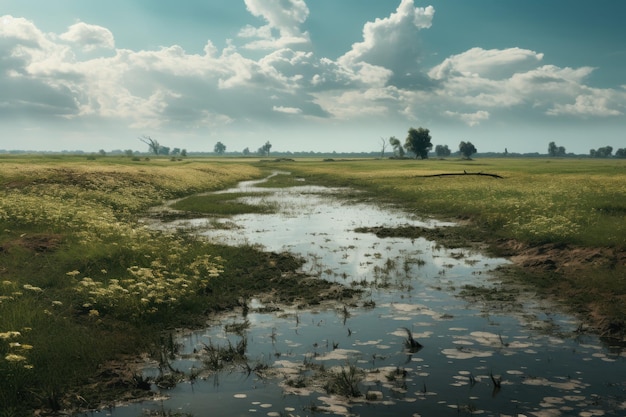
<point>565,217</point>
<point>82,282</point>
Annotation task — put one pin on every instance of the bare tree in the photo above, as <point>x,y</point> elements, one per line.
<point>383,143</point>
<point>152,144</point>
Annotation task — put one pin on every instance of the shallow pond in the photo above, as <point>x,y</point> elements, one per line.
<point>485,350</point>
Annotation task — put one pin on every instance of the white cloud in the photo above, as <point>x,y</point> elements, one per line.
<point>284,16</point>
<point>287,110</point>
<point>89,37</point>
<point>393,43</point>
<point>380,79</point>
<point>492,63</point>
<point>471,119</point>
<point>585,105</point>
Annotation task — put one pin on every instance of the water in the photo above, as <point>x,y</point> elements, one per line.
<point>541,366</point>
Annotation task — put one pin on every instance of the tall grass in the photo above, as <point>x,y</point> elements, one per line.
<point>81,281</point>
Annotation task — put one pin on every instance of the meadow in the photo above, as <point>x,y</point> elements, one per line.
<point>562,220</point>
<point>83,282</point>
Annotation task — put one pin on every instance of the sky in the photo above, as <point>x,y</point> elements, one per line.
<point>312,75</point>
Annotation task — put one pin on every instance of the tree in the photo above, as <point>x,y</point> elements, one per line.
<point>467,149</point>
<point>383,144</point>
<point>102,152</point>
<point>604,152</point>
<point>175,151</point>
<point>554,150</point>
<point>128,152</point>
<point>219,148</point>
<point>398,150</point>
<point>164,150</point>
<point>183,152</point>
<point>418,142</point>
<point>153,145</point>
<point>620,153</point>
<point>265,149</point>
<point>442,151</point>
<point>246,151</point>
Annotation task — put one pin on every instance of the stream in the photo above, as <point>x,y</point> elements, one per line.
<point>484,350</point>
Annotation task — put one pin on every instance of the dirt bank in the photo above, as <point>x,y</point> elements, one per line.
<point>564,273</point>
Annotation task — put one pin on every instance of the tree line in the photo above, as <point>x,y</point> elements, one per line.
<point>602,152</point>
<point>419,143</point>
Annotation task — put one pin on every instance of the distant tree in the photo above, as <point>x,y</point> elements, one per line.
<point>128,152</point>
<point>102,152</point>
<point>153,145</point>
<point>183,153</point>
<point>265,149</point>
<point>554,150</point>
<point>164,150</point>
<point>175,151</point>
<point>383,144</point>
<point>418,142</point>
<point>506,151</point>
<point>442,151</point>
<point>398,150</point>
<point>246,151</point>
<point>604,152</point>
<point>219,148</point>
<point>620,153</point>
<point>467,149</point>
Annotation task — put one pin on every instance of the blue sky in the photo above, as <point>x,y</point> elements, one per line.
<point>312,75</point>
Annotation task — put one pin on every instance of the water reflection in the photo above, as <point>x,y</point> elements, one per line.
<point>497,357</point>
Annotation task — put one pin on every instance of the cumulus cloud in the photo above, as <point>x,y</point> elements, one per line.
<point>585,105</point>
<point>392,43</point>
<point>89,37</point>
<point>492,63</point>
<point>380,78</point>
<point>282,16</point>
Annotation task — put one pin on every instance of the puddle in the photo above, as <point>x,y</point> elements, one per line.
<point>514,357</point>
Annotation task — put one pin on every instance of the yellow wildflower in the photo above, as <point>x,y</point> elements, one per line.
<point>11,357</point>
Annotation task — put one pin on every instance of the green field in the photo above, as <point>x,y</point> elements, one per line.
<point>82,282</point>
<point>567,216</point>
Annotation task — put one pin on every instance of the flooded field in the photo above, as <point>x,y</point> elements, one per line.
<point>433,334</point>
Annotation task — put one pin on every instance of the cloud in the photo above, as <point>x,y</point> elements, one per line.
<point>471,119</point>
<point>392,43</point>
<point>283,16</point>
<point>491,63</point>
<point>585,105</point>
<point>273,78</point>
<point>287,110</point>
<point>89,37</point>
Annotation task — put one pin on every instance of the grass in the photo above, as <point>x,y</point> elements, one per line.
<point>569,203</point>
<point>82,282</point>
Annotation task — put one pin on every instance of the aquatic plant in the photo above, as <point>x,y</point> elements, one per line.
<point>411,344</point>
<point>345,382</point>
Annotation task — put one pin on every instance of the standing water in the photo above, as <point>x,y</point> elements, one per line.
<point>434,333</point>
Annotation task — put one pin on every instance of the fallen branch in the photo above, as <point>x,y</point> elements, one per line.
<point>462,173</point>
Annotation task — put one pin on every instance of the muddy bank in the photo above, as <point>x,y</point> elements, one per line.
<point>561,272</point>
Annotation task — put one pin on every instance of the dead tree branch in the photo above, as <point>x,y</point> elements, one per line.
<point>449,174</point>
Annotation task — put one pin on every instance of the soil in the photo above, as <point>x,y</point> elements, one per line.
<point>558,271</point>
